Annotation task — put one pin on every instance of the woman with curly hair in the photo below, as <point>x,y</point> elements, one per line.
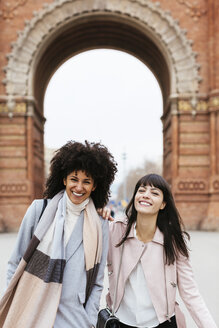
<point>155,262</point>
<point>56,271</point>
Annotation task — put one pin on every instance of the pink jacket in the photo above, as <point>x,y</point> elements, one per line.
<point>162,284</point>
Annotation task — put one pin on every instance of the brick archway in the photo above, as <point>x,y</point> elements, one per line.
<point>145,30</point>
<point>141,21</point>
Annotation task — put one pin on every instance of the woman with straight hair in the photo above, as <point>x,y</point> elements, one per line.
<point>155,262</point>
<point>55,274</point>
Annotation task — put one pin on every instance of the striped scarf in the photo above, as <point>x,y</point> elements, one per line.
<point>33,294</point>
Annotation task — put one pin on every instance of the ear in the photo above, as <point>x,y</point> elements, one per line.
<point>94,187</point>
<point>162,206</point>
<point>64,181</point>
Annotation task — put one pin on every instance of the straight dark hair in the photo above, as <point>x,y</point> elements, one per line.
<point>168,220</point>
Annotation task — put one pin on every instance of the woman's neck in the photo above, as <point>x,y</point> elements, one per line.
<point>77,208</point>
<point>145,227</point>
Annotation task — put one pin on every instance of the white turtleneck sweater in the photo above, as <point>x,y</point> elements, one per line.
<point>73,212</point>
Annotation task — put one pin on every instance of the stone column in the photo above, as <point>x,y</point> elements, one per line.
<point>21,159</point>
<point>30,152</point>
<point>15,186</point>
<point>175,139</point>
<point>212,220</point>
<point>190,134</point>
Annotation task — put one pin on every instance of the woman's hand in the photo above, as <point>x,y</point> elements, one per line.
<point>105,213</point>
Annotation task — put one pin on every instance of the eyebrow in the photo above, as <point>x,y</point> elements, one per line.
<point>75,176</point>
<point>154,188</point>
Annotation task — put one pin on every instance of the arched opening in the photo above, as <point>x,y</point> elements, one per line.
<point>99,31</point>
<point>108,96</point>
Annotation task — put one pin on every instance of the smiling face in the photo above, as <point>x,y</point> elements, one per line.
<point>79,186</point>
<point>149,200</point>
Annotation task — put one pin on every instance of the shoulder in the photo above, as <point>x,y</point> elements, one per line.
<point>121,220</point>
<point>119,223</point>
<point>37,203</point>
<point>117,228</point>
<point>35,208</point>
<point>104,223</point>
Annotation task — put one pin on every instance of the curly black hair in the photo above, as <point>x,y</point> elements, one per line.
<point>92,158</point>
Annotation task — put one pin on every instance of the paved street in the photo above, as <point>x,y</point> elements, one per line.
<point>204,257</point>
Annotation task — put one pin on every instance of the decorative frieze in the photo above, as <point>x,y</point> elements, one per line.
<point>215,185</point>
<point>9,10</point>
<point>16,188</point>
<point>190,185</point>
<point>19,108</point>
<point>194,9</point>
<point>214,102</point>
<point>187,106</point>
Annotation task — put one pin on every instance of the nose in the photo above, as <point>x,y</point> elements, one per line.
<point>146,194</point>
<point>79,186</point>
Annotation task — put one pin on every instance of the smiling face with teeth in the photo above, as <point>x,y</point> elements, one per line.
<point>79,186</point>
<point>149,200</point>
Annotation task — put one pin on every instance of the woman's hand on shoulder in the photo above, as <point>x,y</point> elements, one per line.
<point>105,213</point>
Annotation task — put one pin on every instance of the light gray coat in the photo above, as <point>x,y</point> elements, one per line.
<point>71,312</point>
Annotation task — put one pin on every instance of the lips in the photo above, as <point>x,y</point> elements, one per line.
<point>143,203</point>
<point>76,194</point>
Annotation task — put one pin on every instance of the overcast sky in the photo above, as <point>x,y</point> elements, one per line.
<point>107,96</point>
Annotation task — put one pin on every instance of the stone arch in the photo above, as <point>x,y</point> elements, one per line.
<point>167,51</point>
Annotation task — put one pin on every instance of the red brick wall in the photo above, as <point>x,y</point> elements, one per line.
<point>195,138</point>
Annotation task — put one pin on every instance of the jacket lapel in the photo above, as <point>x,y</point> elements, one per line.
<point>76,237</point>
<point>158,237</point>
<point>133,250</point>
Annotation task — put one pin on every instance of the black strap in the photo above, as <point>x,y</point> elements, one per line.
<point>44,206</point>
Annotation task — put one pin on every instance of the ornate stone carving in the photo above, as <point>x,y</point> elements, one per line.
<point>214,102</point>
<point>193,9</point>
<point>202,105</point>
<point>9,10</point>
<point>160,25</point>
<point>13,188</point>
<point>18,108</point>
<point>3,108</point>
<point>186,106</point>
<point>216,185</point>
<point>191,185</point>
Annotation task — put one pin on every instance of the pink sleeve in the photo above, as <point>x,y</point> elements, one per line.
<point>190,295</point>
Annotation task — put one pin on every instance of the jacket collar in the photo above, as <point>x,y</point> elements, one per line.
<point>158,237</point>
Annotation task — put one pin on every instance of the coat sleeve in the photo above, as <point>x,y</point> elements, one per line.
<point>25,233</point>
<point>92,306</point>
<point>190,295</point>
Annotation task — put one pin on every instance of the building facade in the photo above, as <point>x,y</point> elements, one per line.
<point>177,40</point>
